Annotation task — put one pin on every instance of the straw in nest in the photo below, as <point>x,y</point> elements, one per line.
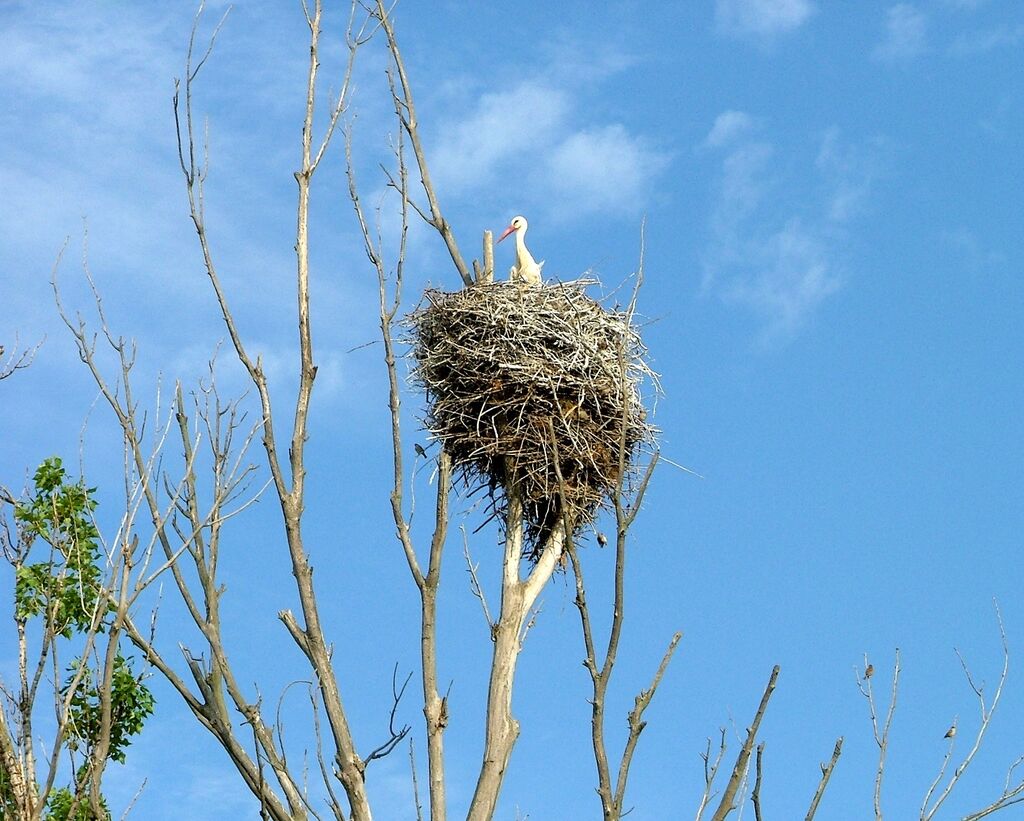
<point>515,375</point>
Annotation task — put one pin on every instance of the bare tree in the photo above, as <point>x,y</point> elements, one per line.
<point>936,794</point>
<point>79,595</point>
<point>175,520</point>
<point>188,529</point>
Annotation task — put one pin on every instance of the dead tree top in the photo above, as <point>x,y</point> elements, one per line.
<point>515,374</point>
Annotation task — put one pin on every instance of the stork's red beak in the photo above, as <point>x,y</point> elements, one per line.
<point>510,230</point>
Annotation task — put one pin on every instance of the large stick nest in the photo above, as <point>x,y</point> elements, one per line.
<point>515,375</point>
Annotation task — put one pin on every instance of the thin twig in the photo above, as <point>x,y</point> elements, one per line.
<point>755,793</point>
<point>415,783</point>
<point>17,359</point>
<point>474,581</point>
<point>395,735</point>
<point>405,110</point>
<point>1013,793</point>
<point>710,772</point>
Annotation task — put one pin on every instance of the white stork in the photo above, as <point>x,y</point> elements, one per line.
<point>526,269</point>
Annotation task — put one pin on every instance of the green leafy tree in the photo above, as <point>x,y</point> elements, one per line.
<point>64,588</point>
<point>63,582</point>
<point>64,805</point>
<point>131,704</point>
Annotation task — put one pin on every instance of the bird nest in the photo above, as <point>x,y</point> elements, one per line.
<point>517,376</point>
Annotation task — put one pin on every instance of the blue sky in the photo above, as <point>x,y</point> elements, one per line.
<point>832,195</point>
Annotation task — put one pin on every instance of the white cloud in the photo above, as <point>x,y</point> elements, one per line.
<point>728,126</point>
<point>761,18</point>
<point>280,360</point>
<point>576,61</point>
<point>977,259</point>
<point>968,5</point>
<point>1002,121</point>
<point>980,42</point>
<point>744,183</point>
<point>82,93</point>
<point>778,254</point>
<point>604,169</point>
<point>905,34</point>
<point>849,171</point>
<point>505,125</point>
<point>793,277</point>
<point>533,149</point>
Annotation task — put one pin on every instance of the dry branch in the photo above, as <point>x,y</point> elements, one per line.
<point>987,710</point>
<point>826,774</point>
<point>435,708</point>
<point>405,111</point>
<point>17,359</point>
<point>710,772</point>
<point>755,794</point>
<point>728,803</point>
<point>881,734</point>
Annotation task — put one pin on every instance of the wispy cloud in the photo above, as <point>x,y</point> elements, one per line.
<point>976,258</point>
<point>981,42</point>
<point>761,18</point>
<point>605,169</point>
<point>848,173</point>
<point>744,182</point>
<point>780,260</point>
<point>502,127</point>
<point>794,276</point>
<point>81,97</point>
<point>1001,121</point>
<point>968,5</point>
<point>536,145</point>
<point>728,126</point>
<point>904,36</point>
<point>88,130</point>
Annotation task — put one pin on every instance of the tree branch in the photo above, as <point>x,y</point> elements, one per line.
<point>728,803</point>
<point>881,734</point>
<point>826,774</point>
<point>405,110</point>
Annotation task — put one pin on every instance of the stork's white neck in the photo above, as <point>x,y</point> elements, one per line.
<point>523,255</point>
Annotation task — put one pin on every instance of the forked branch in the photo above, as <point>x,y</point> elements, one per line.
<point>612,795</point>
<point>710,772</point>
<point>1011,794</point>
<point>826,774</point>
<point>405,110</point>
<point>880,732</point>
<point>18,359</point>
<point>739,770</point>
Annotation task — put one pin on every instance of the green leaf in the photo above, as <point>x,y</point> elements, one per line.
<point>58,807</point>
<point>64,589</point>
<point>131,703</point>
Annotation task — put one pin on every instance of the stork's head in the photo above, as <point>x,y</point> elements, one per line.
<point>517,224</point>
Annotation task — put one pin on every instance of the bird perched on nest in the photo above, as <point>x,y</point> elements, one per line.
<point>526,269</point>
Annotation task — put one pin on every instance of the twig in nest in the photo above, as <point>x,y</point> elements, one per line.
<point>504,364</point>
